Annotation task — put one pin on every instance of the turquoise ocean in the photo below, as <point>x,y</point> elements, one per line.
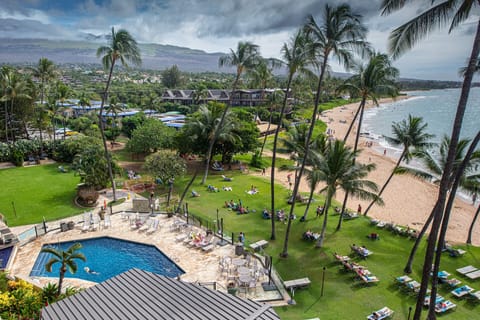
<point>436,107</point>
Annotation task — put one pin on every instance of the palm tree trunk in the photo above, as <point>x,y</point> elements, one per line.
<point>274,157</point>
<point>307,149</point>
<point>217,130</point>
<point>11,116</point>
<point>102,131</point>
<point>408,266</point>
<point>443,231</point>
<point>60,280</point>
<point>310,197</point>
<point>470,230</point>
<point>360,110</point>
<point>386,182</point>
<point>320,240</point>
<point>353,122</point>
<point>444,184</point>
<point>6,120</point>
<point>266,134</point>
<point>184,193</point>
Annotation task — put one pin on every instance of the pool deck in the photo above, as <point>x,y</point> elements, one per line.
<point>201,267</point>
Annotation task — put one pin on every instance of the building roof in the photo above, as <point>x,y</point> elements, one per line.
<point>138,294</point>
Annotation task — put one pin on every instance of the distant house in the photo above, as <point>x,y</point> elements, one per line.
<point>138,294</point>
<point>241,97</point>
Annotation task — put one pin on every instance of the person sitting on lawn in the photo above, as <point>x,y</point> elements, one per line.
<point>195,194</point>
<point>265,214</point>
<point>280,215</point>
<point>308,235</point>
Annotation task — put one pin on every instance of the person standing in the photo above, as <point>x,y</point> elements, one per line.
<point>359,209</point>
<point>241,237</point>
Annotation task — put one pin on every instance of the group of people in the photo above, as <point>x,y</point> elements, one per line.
<point>253,190</point>
<point>238,207</point>
<point>309,235</point>
<point>132,175</point>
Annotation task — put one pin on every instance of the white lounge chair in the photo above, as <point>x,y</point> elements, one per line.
<point>475,295</point>
<point>466,270</point>
<point>383,313</point>
<point>86,221</point>
<point>462,291</point>
<point>474,274</point>
<point>107,221</point>
<point>154,227</point>
<point>444,306</point>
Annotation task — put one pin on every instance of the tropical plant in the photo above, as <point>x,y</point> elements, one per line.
<point>340,34</point>
<point>66,259</point>
<point>373,79</point>
<point>245,58</point>
<point>335,167</point>
<point>434,164</point>
<point>91,166</point>
<point>45,72</point>
<point>166,165</point>
<point>62,92</point>
<point>121,47</point>
<point>402,39</point>
<point>296,57</point>
<point>150,137</point>
<point>412,136</point>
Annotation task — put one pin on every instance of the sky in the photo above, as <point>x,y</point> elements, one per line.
<point>218,25</point>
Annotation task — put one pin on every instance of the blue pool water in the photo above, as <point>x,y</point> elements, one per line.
<point>110,257</point>
<point>5,256</point>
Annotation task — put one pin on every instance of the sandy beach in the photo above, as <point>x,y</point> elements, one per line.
<point>408,200</point>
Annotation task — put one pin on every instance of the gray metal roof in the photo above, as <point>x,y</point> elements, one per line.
<point>138,294</point>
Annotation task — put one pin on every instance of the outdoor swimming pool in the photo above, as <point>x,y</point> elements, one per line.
<point>5,256</point>
<point>110,257</point>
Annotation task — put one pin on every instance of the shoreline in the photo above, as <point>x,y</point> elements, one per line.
<point>408,200</point>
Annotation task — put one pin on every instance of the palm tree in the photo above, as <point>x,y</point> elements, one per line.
<point>274,99</point>
<point>473,185</point>
<point>121,47</point>
<point>336,168</point>
<point>67,260</point>
<point>434,170</point>
<point>376,78</point>
<point>296,57</point>
<point>246,57</point>
<point>52,109</point>
<point>5,75</point>
<point>84,101</point>
<point>45,72</point>
<point>62,93</point>
<point>341,33</point>
<point>15,87</point>
<point>411,135</point>
<point>401,40</point>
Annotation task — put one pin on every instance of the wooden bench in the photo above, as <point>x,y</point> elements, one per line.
<point>259,244</point>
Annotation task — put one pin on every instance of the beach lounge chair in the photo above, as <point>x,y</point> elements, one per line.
<point>154,227</point>
<point>438,299</point>
<point>86,221</point>
<point>107,221</point>
<point>403,279</point>
<point>453,282</point>
<point>473,275</point>
<point>466,270</point>
<point>260,244</point>
<point>444,306</point>
<point>462,291</point>
<point>210,246</point>
<point>475,295</point>
<point>383,313</point>
<point>146,225</point>
<point>413,285</point>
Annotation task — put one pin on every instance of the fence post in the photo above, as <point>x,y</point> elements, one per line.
<point>36,233</point>
<point>233,235</point>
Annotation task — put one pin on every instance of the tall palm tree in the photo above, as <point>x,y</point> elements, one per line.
<point>410,134</point>
<point>66,259</point>
<point>53,109</point>
<point>15,88</point>
<point>435,165</point>
<point>45,72</point>
<point>246,57</point>
<point>473,186</point>
<point>62,92</point>
<point>5,75</point>
<point>340,34</point>
<point>84,101</point>
<point>122,47</point>
<point>403,39</point>
<point>336,168</point>
<point>274,99</point>
<point>375,78</point>
<point>296,56</point>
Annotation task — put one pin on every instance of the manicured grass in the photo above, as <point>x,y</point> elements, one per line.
<point>344,296</point>
<point>37,192</point>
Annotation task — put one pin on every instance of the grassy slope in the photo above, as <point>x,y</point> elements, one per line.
<point>37,192</point>
<point>390,254</point>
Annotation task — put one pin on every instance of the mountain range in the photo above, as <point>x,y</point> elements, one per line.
<point>154,56</point>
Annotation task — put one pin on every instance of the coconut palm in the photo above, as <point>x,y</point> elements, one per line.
<point>410,134</point>
<point>375,78</point>
<point>84,101</point>
<point>62,92</point>
<point>246,57</point>
<point>66,259</point>
<point>296,57</point>
<point>473,186</point>
<point>341,34</point>
<point>335,167</point>
<point>435,165</point>
<point>122,47</point>
<point>5,75</point>
<point>15,87</point>
<point>402,39</point>
<point>45,72</point>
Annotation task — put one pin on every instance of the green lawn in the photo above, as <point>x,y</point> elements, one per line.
<point>37,192</point>
<point>43,191</point>
<point>387,262</point>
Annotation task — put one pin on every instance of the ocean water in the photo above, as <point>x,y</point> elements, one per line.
<point>436,107</point>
